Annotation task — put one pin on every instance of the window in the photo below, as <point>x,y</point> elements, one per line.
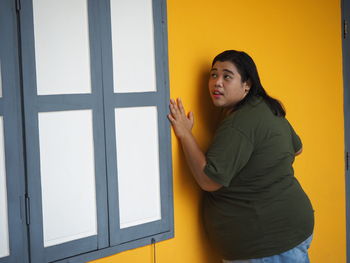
<point>85,144</point>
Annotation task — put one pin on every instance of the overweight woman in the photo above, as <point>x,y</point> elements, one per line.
<point>255,210</point>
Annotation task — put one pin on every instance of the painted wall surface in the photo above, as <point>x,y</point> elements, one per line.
<point>296,45</point>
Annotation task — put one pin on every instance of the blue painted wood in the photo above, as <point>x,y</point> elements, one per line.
<point>117,249</point>
<point>75,247</point>
<point>107,72</point>
<point>134,99</point>
<point>64,102</point>
<point>160,99</point>
<point>103,105</point>
<point>164,125</point>
<point>346,78</point>
<point>98,119</point>
<point>34,104</point>
<point>10,109</point>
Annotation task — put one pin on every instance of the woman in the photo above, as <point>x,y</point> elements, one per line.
<point>255,211</point>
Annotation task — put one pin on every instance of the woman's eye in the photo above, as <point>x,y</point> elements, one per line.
<point>227,77</point>
<point>213,75</point>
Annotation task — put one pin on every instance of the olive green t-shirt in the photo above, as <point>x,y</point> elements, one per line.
<point>261,210</point>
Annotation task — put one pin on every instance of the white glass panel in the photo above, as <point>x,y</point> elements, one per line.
<point>62,46</point>
<point>138,165</point>
<point>67,175</point>
<point>4,232</point>
<point>133,46</point>
<point>0,81</point>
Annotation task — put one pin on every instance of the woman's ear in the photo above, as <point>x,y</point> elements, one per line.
<point>246,85</point>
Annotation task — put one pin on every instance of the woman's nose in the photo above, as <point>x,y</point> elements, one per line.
<point>218,82</point>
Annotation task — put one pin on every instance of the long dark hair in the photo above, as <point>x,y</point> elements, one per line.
<point>248,71</point>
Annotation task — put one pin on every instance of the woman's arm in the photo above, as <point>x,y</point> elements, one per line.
<point>195,158</point>
<point>299,152</point>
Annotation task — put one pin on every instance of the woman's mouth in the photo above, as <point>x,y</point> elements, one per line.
<point>216,94</point>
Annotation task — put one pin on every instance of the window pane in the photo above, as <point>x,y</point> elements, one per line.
<point>4,232</point>
<point>62,46</point>
<point>67,175</point>
<point>133,46</point>
<point>138,165</point>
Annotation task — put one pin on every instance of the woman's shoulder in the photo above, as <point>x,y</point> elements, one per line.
<point>255,116</point>
<point>251,112</point>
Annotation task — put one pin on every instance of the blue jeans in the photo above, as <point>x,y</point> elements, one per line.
<point>295,255</point>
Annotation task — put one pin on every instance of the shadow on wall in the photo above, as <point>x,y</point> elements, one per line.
<point>207,118</point>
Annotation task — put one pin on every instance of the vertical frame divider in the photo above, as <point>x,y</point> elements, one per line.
<point>33,104</point>
<point>36,244</point>
<point>160,99</point>
<point>107,73</point>
<point>11,111</point>
<point>99,131</point>
<point>345,8</point>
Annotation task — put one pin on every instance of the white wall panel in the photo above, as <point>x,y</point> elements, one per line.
<point>133,46</point>
<point>138,165</point>
<point>62,46</point>
<point>4,232</point>
<point>67,175</point>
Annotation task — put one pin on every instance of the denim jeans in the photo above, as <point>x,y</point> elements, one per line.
<point>297,254</point>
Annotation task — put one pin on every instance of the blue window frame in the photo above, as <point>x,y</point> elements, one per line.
<point>35,104</point>
<point>21,106</point>
<point>346,70</point>
<point>139,99</point>
<point>10,111</point>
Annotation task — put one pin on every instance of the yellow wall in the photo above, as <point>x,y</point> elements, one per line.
<point>297,47</point>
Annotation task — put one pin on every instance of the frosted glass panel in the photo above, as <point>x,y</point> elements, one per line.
<point>138,165</point>
<point>62,46</point>
<point>0,81</point>
<point>67,175</point>
<point>133,46</point>
<point>4,232</point>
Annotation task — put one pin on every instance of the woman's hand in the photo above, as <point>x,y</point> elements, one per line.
<point>182,123</point>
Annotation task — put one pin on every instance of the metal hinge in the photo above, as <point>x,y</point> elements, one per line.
<point>27,204</point>
<point>347,161</point>
<point>18,5</point>
<point>345,28</point>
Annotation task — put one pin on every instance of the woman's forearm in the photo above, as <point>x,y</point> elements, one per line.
<point>196,161</point>
<point>182,125</point>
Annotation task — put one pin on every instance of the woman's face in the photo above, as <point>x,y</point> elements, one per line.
<point>225,85</point>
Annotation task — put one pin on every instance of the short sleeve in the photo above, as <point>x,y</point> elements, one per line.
<point>297,144</point>
<point>228,154</point>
